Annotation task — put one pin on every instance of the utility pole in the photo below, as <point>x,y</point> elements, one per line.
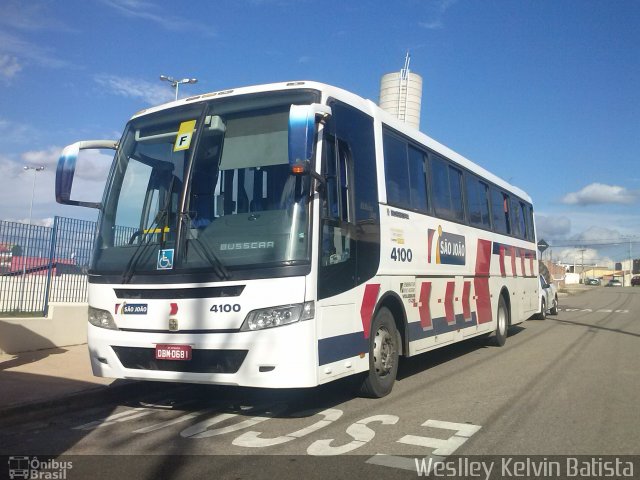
<point>630,263</point>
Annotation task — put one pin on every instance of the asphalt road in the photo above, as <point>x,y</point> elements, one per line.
<point>567,385</point>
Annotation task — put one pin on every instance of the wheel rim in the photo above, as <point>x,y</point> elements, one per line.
<point>502,320</point>
<point>384,349</point>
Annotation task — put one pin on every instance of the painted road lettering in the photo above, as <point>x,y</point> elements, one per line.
<point>201,429</point>
<point>360,433</point>
<point>252,439</point>
<point>125,416</point>
<point>442,448</point>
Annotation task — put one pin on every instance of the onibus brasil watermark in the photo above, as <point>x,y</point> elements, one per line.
<point>525,467</point>
<point>32,468</point>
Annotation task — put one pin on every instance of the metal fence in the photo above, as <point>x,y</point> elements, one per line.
<point>39,264</point>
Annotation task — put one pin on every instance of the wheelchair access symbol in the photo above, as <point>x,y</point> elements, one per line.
<point>165,259</point>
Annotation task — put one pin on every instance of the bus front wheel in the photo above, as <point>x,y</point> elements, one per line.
<point>384,350</point>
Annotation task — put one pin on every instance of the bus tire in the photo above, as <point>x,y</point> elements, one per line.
<point>384,348</point>
<point>499,337</point>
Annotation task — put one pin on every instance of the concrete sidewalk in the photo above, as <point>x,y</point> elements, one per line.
<point>45,376</point>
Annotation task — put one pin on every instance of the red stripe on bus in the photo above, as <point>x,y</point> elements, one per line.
<point>481,282</point>
<point>523,254</point>
<point>513,261</point>
<point>424,308</point>
<point>502,267</point>
<point>531,258</point>
<point>368,305</point>
<point>466,307</point>
<point>483,257</point>
<point>448,302</point>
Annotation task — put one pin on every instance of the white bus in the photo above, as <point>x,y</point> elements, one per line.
<point>291,234</point>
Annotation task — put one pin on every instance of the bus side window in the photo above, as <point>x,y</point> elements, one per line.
<point>507,216</point>
<point>446,185</point>
<point>478,202</point>
<point>530,224</point>
<point>500,211</point>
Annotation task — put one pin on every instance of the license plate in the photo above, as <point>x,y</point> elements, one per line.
<point>173,352</point>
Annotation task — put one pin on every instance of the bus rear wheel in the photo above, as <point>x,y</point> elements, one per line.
<point>502,323</point>
<point>384,351</point>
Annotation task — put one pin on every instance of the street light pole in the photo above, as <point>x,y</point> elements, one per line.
<point>175,83</point>
<point>33,189</point>
<point>26,251</point>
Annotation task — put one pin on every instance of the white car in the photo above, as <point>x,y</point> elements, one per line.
<point>548,299</point>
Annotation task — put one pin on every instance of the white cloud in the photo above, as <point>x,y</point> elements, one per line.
<point>13,133</point>
<point>17,53</point>
<point>583,256</point>
<point>47,158</point>
<point>594,235</point>
<point>552,226</point>
<point>158,15</point>
<point>432,25</point>
<point>25,52</point>
<point>29,16</point>
<point>9,66</point>
<point>9,168</point>
<point>600,193</point>
<point>151,93</point>
<point>436,10</point>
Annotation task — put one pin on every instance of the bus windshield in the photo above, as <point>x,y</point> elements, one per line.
<point>216,172</point>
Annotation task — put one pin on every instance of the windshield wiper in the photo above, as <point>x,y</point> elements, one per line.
<point>161,216</point>
<point>137,254</point>
<point>210,255</point>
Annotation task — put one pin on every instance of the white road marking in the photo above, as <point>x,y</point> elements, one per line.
<point>442,448</point>
<point>359,431</point>
<point>116,418</point>
<point>201,429</point>
<point>252,439</point>
<point>180,419</point>
<point>403,463</point>
<point>589,310</point>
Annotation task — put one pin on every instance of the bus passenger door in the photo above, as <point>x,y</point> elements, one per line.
<point>337,262</point>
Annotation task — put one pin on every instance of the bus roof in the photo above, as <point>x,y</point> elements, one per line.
<point>367,106</point>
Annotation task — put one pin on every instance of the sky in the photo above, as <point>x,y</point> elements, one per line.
<point>544,93</point>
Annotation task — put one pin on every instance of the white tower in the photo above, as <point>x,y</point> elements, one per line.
<point>401,94</point>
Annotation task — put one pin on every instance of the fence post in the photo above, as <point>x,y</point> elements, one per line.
<point>52,250</point>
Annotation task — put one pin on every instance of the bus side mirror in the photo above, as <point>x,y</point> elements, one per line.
<point>302,131</point>
<point>67,168</point>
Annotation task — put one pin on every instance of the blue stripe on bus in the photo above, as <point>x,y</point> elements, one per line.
<point>337,348</point>
<point>440,326</point>
<point>341,347</point>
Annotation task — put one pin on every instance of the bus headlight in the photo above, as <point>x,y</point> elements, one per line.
<point>101,318</point>
<point>277,316</point>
